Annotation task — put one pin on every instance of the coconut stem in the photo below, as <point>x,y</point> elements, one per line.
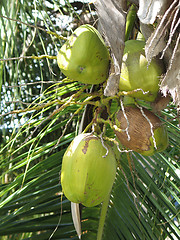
<point>104,209</point>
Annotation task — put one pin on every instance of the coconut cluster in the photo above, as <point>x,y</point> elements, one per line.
<point>89,165</point>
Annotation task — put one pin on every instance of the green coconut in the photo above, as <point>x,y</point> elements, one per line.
<point>87,174</point>
<point>137,75</point>
<point>147,135</point>
<point>84,57</point>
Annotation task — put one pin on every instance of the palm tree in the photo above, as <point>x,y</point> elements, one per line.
<point>41,113</point>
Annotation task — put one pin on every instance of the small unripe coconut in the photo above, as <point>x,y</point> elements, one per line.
<point>87,174</point>
<point>140,130</point>
<point>84,57</point>
<point>137,74</point>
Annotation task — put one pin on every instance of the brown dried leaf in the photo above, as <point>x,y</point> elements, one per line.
<point>169,49</point>
<point>112,85</point>
<point>149,9</point>
<point>112,19</point>
<point>171,81</point>
<point>156,43</point>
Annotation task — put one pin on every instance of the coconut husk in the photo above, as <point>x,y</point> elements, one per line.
<point>160,103</point>
<point>136,129</point>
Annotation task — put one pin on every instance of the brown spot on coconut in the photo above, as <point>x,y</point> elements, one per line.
<point>141,131</point>
<point>87,139</point>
